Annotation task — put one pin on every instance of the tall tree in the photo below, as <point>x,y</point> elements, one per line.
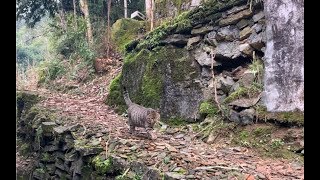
<point>62,16</point>
<point>125,4</point>
<point>108,28</point>
<point>152,15</point>
<point>75,14</point>
<point>85,10</point>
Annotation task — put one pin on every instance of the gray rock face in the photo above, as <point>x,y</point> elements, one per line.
<point>187,96</point>
<point>228,50</point>
<point>176,39</point>
<point>201,30</point>
<point>202,57</point>
<point>246,49</point>
<point>234,18</point>
<point>247,116</point>
<point>227,33</point>
<point>256,41</point>
<point>243,23</point>
<point>284,55</point>
<point>258,16</point>
<point>192,41</point>
<point>226,83</point>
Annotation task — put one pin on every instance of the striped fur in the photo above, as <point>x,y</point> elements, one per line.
<point>140,116</point>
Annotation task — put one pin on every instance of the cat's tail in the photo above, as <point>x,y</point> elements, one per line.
<point>126,97</point>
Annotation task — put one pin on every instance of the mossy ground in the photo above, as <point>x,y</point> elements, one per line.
<point>291,118</point>
<point>265,140</point>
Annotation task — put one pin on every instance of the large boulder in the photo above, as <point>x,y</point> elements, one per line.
<point>164,79</point>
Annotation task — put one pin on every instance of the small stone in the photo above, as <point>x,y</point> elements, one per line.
<point>192,41</point>
<point>243,23</point>
<point>246,49</point>
<point>71,156</point>
<point>179,169</point>
<point>261,176</point>
<point>173,175</point>
<point>236,149</point>
<point>201,30</point>
<point>234,116</point>
<point>179,136</point>
<point>59,164</point>
<point>258,16</point>
<point>257,27</point>
<point>236,9</point>
<point>99,135</point>
<point>244,33</point>
<point>95,142</point>
<point>234,18</point>
<point>190,177</point>
<point>176,39</point>
<point>60,129</point>
<point>50,148</point>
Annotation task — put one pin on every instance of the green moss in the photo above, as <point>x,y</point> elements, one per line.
<point>208,109</point>
<point>102,166</point>
<point>211,10</point>
<point>292,117</point>
<point>262,131</point>
<point>262,142</point>
<point>244,92</point>
<point>24,101</point>
<point>115,96</point>
<point>25,148</point>
<point>176,121</point>
<point>126,30</point>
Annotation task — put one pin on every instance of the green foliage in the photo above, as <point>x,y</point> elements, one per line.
<point>50,70</point>
<point>153,38</point>
<point>276,143</point>
<point>247,92</point>
<point>71,43</point>
<point>256,67</point>
<point>31,44</point>
<point>102,166</point>
<point>208,109</point>
<point>33,11</point>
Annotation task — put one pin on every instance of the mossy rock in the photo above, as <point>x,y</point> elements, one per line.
<point>125,30</point>
<point>25,100</point>
<point>289,118</point>
<point>147,74</point>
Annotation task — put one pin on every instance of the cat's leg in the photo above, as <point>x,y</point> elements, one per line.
<point>132,129</point>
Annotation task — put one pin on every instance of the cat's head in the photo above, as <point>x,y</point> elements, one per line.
<point>153,117</point>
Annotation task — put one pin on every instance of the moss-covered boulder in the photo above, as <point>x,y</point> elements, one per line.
<point>125,30</point>
<point>25,100</point>
<point>162,78</point>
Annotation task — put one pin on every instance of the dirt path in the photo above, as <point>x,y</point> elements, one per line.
<point>174,150</point>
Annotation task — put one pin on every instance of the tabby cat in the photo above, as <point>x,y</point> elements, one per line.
<point>140,116</point>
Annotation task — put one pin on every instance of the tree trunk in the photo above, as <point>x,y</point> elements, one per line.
<point>125,8</point>
<point>85,10</point>
<point>62,17</point>
<point>108,28</point>
<point>75,14</point>
<point>152,15</point>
